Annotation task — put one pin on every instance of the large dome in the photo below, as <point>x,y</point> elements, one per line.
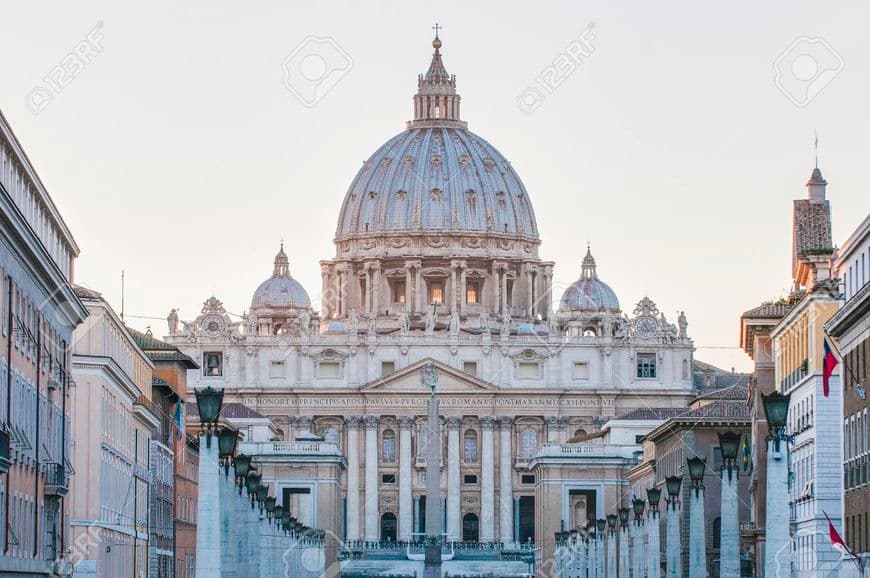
<point>437,178</point>
<point>589,293</point>
<point>281,291</point>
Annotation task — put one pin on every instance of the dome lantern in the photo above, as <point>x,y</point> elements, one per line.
<point>436,102</point>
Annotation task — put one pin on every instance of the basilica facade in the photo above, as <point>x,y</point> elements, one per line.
<point>437,261</point>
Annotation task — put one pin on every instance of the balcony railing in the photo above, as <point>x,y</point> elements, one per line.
<point>4,451</point>
<point>56,481</point>
<point>312,448</point>
<point>588,450</point>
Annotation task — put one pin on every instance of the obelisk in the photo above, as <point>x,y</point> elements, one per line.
<point>432,564</point>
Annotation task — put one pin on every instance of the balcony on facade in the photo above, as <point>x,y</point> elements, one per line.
<point>290,449</point>
<point>56,480</point>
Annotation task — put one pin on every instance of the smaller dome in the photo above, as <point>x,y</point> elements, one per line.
<point>589,293</point>
<point>336,327</point>
<point>281,291</point>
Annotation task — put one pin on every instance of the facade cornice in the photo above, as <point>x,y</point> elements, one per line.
<point>107,367</point>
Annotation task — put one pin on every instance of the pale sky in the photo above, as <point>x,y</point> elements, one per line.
<point>178,154</point>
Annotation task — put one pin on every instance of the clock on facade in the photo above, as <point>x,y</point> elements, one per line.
<point>213,325</point>
<point>646,327</point>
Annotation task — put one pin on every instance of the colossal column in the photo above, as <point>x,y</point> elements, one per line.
<point>453,501</point>
<point>505,487</point>
<point>406,513</point>
<point>487,481</point>
<point>371,505</point>
<point>351,452</point>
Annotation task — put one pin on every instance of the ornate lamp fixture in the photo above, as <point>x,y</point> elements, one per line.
<point>623,517</point>
<point>654,496</point>
<point>729,444</point>
<point>209,402</point>
<point>251,483</point>
<point>601,525</point>
<point>776,410</point>
<point>697,466</point>
<point>241,465</point>
<point>611,523</point>
<point>262,494</point>
<point>269,505</point>
<point>638,504</point>
<point>228,439</point>
<point>673,484</point>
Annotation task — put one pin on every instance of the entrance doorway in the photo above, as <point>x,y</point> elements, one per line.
<point>389,527</point>
<point>470,528</point>
<point>527,519</point>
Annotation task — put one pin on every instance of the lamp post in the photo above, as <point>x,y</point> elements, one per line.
<point>228,439</point>
<point>600,528</point>
<point>624,559</point>
<point>638,505</point>
<point>776,530</point>
<point>673,562</point>
<point>241,466</point>
<point>208,402</point>
<point>697,529</point>
<point>611,545</point>
<point>208,509</point>
<point>654,555</point>
<point>729,540</point>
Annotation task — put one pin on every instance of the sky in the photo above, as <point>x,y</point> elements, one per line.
<point>671,137</point>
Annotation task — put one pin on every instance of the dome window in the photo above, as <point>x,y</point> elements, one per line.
<point>397,291</point>
<point>436,291</point>
<point>472,291</point>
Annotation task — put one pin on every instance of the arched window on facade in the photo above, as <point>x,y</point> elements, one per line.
<point>388,446</point>
<point>580,432</point>
<point>528,443</point>
<point>470,446</point>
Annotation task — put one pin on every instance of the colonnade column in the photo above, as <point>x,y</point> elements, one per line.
<point>351,452</point>
<point>624,551</point>
<point>697,533</point>
<point>487,480</point>
<point>454,514</point>
<point>729,551</point>
<point>505,487</point>
<point>371,505</point>
<point>406,514</point>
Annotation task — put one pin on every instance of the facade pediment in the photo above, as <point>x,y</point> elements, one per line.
<point>409,380</point>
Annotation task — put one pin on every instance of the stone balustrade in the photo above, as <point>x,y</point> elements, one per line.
<point>596,450</point>
<point>285,448</point>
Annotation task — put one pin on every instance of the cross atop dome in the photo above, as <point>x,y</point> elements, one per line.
<point>436,102</point>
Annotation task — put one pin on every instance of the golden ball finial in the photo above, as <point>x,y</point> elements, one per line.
<point>436,44</point>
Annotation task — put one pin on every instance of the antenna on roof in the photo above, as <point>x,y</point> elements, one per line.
<point>816,147</point>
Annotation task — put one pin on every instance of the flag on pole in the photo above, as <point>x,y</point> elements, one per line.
<point>836,541</point>
<point>829,362</point>
<point>179,419</point>
<point>747,452</point>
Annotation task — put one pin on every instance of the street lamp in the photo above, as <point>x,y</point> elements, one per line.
<point>611,523</point>
<point>729,534</point>
<point>776,410</point>
<point>638,504</point>
<point>242,465</point>
<point>262,494</point>
<point>209,402</point>
<point>654,496</point>
<point>673,484</point>
<point>251,483</point>
<point>623,516</point>
<point>696,471</point>
<point>697,526</point>
<point>729,445</point>
<point>269,504</point>
<point>673,559</point>
<point>228,439</point>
